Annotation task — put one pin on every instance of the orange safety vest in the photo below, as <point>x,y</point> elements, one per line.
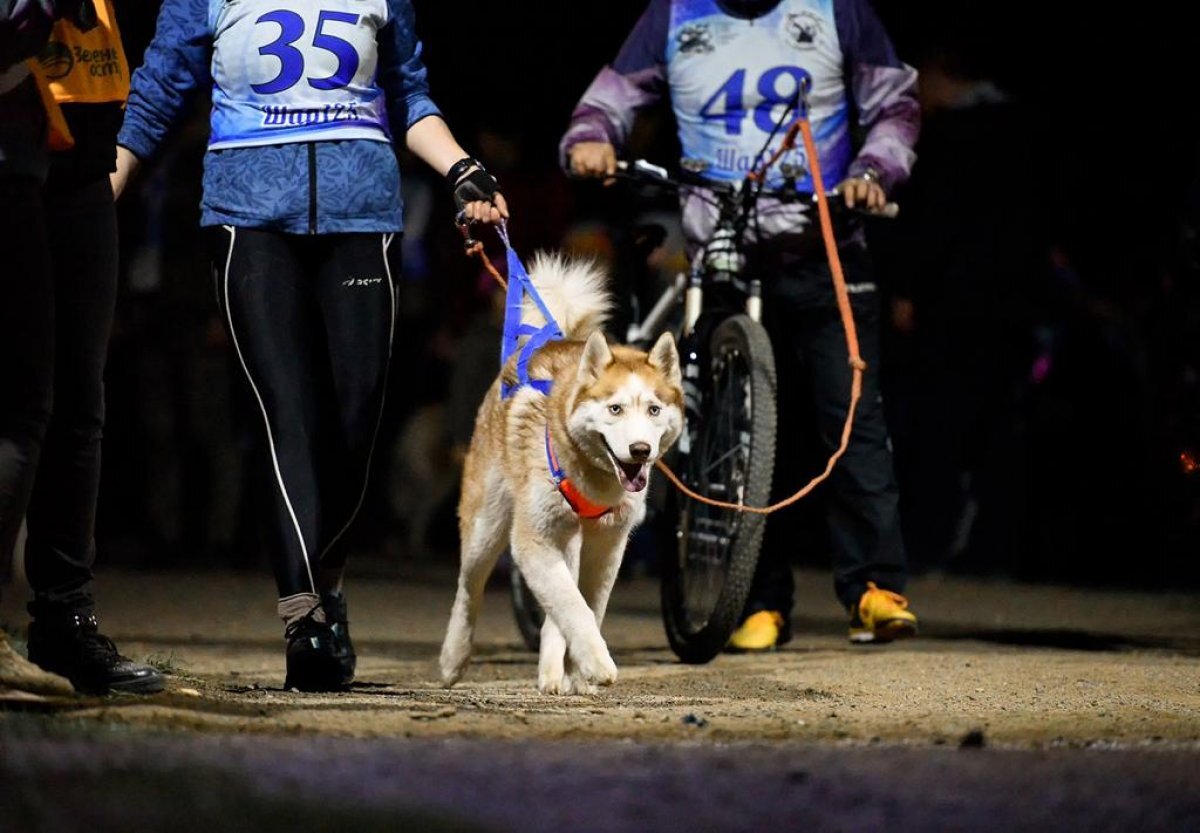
<point>81,68</point>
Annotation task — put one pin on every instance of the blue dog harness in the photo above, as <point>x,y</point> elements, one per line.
<point>521,286</point>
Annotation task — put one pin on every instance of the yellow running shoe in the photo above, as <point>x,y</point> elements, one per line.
<point>761,631</point>
<point>881,616</point>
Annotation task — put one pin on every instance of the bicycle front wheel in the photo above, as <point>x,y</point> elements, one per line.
<point>729,455</point>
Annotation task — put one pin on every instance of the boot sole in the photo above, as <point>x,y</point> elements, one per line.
<point>316,675</point>
<point>884,633</point>
<point>141,685</point>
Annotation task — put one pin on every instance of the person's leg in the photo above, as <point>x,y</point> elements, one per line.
<point>773,585</point>
<point>766,620</point>
<point>863,500</point>
<point>265,285</point>
<point>357,296</point>
<point>356,290</point>
<point>26,390</point>
<point>64,636</point>
<point>264,288</point>
<point>62,512</point>
<point>26,350</point>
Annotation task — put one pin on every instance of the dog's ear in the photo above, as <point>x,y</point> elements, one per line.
<point>596,357</point>
<point>665,357</point>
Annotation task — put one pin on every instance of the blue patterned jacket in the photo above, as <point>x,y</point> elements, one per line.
<point>302,184</point>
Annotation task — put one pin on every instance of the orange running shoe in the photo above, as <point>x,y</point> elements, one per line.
<point>881,616</point>
<point>762,631</point>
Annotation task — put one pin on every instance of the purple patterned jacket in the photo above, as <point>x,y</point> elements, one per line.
<point>729,79</point>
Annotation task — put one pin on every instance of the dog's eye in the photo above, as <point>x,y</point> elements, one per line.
<point>615,410</point>
<point>655,410</point>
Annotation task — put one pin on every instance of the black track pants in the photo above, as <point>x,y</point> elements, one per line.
<point>58,295</point>
<point>311,321</point>
<point>861,498</point>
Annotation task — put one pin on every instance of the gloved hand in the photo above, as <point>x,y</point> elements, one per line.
<point>476,193</point>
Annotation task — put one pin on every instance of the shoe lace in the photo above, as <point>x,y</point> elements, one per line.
<point>308,620</point>
<point>96,646</point>
<point>893,597</point>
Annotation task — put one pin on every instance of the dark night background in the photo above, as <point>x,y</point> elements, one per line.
<point>1047,249</point>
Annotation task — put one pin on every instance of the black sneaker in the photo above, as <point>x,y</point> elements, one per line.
<point>334,605</point>
<point>312,662</point>
<point>73,647</point>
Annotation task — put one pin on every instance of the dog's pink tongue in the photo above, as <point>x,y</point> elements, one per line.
<point>635,481</point>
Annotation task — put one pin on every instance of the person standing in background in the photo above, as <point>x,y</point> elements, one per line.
<point>59,294</point>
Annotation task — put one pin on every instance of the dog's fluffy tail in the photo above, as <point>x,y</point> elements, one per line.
<point>574,291</point>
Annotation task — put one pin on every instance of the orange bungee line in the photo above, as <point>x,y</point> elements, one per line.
<point>843,301</point>
<point>857,365</point>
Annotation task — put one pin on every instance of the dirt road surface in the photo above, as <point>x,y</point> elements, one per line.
<point>1019,706</point>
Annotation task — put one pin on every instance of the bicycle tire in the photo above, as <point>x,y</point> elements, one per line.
<point>738,344</point>
<point>526,611</point>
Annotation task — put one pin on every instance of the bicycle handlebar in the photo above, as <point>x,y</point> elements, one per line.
<point>639,170</point>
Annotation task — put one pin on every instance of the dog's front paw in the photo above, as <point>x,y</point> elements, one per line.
<point>552,679</point>
<point>453,662</point>
<point>594,665</point>
<point>576,684</point>
<point>549,684</point>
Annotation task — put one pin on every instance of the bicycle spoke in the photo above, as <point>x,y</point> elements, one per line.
<point>718,469</point>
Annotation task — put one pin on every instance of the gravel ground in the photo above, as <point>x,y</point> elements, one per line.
<point>1029,707</point>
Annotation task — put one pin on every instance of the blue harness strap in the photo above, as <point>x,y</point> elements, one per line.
<point>520,287</point>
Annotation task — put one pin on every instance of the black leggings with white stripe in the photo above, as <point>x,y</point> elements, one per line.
<point>311,320</point>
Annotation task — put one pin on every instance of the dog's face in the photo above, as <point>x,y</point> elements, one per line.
<point>628,407</point>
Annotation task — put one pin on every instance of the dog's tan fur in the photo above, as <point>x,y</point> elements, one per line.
<point>509,497</point>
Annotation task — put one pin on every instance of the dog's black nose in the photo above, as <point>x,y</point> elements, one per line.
<point>640,452</point>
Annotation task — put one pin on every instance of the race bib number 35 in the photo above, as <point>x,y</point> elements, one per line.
<point>292,59</point>
<point>290,73</point>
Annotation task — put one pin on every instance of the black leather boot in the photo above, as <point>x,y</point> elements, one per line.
<point>334,605</point>
<point>71,645</point>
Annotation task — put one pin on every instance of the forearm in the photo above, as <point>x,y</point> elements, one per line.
<point>175,65</point>
<point>432,142</point>
<point>889,109</point>
<point>637,78</point>
<point>884,90</point>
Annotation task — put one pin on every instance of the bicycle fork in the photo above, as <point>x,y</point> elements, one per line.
<point>693,302</point>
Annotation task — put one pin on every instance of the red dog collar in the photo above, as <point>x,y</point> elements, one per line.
<point>583,507</point>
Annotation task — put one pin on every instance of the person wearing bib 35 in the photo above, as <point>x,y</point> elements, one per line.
<point>302,192</point>
<point>734,71</point>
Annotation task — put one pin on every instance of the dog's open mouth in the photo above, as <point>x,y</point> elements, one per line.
<point>633,476</point>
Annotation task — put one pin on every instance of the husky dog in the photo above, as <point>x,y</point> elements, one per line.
<point>561,477</point>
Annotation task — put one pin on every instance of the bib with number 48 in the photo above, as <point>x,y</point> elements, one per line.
<point>295,72</point>
<point>735,84</point>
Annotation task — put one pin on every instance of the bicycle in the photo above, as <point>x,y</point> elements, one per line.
<point>728,446</point>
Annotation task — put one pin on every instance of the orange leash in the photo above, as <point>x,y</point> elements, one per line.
<point>474,247</point>
<point>843,301</point>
